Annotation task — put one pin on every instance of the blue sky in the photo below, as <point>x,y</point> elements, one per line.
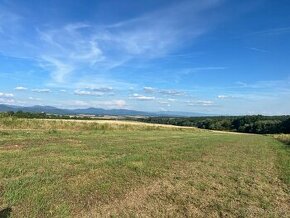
<point>211,56</point>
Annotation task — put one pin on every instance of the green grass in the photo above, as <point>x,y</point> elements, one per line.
<point>69,169</point>
<point>284,156</point>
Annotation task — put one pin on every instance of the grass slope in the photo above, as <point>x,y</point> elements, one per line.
<point>74,169</point>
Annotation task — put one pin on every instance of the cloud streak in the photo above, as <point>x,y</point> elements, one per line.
<point>203,103</point>
<point>89,93</point>
<point>41,90</point>
<point>6,98</point>
<point>20,88</point>
<point>258,50</point>
<point>168,92</point>
<point>142,97</point>
<point>6,95</point>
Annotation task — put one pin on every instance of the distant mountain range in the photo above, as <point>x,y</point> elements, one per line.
<point>96,111</point>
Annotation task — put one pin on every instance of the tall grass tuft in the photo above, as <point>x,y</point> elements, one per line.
<point>285,138</point>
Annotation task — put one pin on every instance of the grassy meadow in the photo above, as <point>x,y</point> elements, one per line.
<point>55,168</point>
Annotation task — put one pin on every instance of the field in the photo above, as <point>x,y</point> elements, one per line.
<point>53,168</point>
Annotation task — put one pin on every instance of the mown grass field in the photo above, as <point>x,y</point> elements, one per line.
<point>89,169</point>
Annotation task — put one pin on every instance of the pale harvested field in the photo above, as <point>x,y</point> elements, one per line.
<point>125,122</point>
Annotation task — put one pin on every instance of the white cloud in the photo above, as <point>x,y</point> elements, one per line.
<point>102,89</point>
<point>20,88</point>
<point>41,90</point>
<point>171,92</point>
<point>34,99</point>
<point>67,50</point>
<point>85,92</point>
<point>204,103</point>
<point>149,89</point>
<point>142,97</point>
<point>223,96</point>
<point>163,91</point>
<point>6,98</point>
<point>7,101</point>
<point>70,44</point>
<point>59,70</point>
<point>6,95</point>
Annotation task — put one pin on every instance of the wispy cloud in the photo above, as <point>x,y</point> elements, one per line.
<point>273,84</point>
<point>94,91</point>
<point>258,50</point>
<point>34,99</point>
<point>156,33</point>
<point>273,31</point>
<point>6,95</point>
<point>149,89</point>
<point>102,89</point>
<point>59,69</point>
<point>20,88</point>
<point>166,103</point>
<point>8,18</point>
<point>41,90</point>
<point>204,103</point>
<point>211,68</point>
<point>169,92</point>
<point>6,98</point>
<point>142,97</point>
<point>85,92</point>
<point>223,96</point>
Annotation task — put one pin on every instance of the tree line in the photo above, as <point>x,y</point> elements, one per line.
<point>247,124</point>
<point>22,114</point>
